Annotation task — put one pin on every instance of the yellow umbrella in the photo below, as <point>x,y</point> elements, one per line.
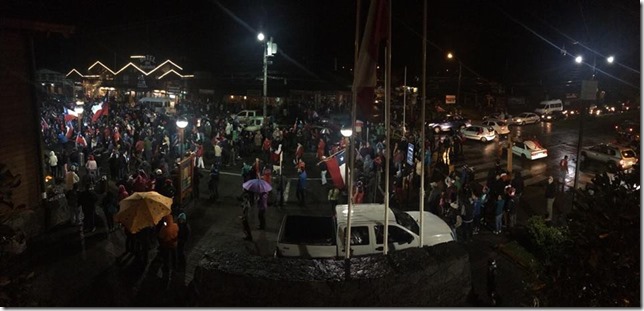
<point>143,209</point>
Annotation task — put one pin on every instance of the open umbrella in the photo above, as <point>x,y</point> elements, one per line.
<point>257,185</point>
<point>143,209</point>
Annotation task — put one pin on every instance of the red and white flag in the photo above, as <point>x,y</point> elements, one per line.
<point>336,166</point>
<point>365,75</point>
<point>103,111</point>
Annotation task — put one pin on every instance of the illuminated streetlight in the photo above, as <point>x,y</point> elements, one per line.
<point>610,59</point>
<point>460,70</point>
<point>182,122</point>
<point>346,131</point>
<point>579,59</point>
<point>270,49</point>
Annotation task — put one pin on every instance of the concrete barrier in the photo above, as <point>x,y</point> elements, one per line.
<point>418,277</point>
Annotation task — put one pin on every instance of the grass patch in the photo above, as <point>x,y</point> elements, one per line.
<point>521,256</point>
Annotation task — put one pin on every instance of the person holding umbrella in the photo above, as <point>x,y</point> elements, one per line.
<point>262,205</point>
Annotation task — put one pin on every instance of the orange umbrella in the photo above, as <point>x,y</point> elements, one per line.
<point>143,209</point>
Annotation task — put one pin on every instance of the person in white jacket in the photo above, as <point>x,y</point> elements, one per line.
<point>53,164</point>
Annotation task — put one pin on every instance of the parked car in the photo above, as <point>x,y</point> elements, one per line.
<point>529,149</point>
<point>479,132</point>
<point>555,115</point>
<point>448,122</point>
<point>500,127</point>
<point>616,157</point>
<point>525,118</point>
<point>308,234</point>
<point>497,116</point>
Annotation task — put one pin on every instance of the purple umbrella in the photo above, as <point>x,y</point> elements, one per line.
<point>257,185</point>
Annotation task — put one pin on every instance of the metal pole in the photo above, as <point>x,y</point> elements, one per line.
<point>387,127</point>
<point>509,152</point>
<point>182,143</point>
<point>579,140</point>
<point>354,101</point>
<point>458,90</point>
<point>422,131</point>
<point>404,97</point>
<point>265,91</point>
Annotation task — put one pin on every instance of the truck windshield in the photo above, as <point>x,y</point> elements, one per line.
<point>406,221</point>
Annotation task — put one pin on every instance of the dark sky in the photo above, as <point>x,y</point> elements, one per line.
<point>496,40</point>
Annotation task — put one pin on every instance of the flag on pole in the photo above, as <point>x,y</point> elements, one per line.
<point>336,166</point>
<point>364,79</point>
<point>103,111</point>
<point>69,114</point>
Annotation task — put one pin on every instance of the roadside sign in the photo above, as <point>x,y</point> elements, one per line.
<point>450,99</point>
<point>410,154</point>
<point>588,90</point>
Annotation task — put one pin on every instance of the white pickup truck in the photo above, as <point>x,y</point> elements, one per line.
<point>307,235</point>
<point>245,115</point>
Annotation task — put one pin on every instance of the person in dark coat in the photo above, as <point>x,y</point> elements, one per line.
<point>262,205</point>
<point>196,181</point>
<point>110,208</point>
<point>87,199</point>
<point>246,199</point>
<point>213,183</point>
<point>183,237</point>
<point>518,185</point>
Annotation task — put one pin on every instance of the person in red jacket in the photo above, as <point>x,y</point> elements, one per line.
<point>321,147</point>
<point>199,156</point>
<point>299,152</point>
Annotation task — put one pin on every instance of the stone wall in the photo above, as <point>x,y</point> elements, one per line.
<point>437,276</point>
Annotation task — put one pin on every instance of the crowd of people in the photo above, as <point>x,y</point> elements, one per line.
<point>136,148</point>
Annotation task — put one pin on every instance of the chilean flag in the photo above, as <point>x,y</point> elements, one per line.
<point>336,167</point>
<point>364,79</point>
<point>69,114</point>
<point>102,111</point>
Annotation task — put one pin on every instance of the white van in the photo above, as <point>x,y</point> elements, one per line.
<point>548,106</point>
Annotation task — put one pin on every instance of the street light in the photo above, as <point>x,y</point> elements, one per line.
<point>579,59</point>
<point>460,70</point>
<point>270,49</point>
<point>182,122</point>
<point>347,131</point>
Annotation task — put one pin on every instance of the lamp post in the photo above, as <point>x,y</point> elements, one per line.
<point>588,92</point>
<point>182,122</point>
<point>270,49</point>
<point>347,132</point>
<point>79,111</point>
<point>460,70</point>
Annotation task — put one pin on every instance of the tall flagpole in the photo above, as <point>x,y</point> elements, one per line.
<point>422,131</point>
<point>388,148</point>
<point>404,99</point>
<point>349,181</point>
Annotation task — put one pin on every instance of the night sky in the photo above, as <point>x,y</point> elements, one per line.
<point>504,41</point>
